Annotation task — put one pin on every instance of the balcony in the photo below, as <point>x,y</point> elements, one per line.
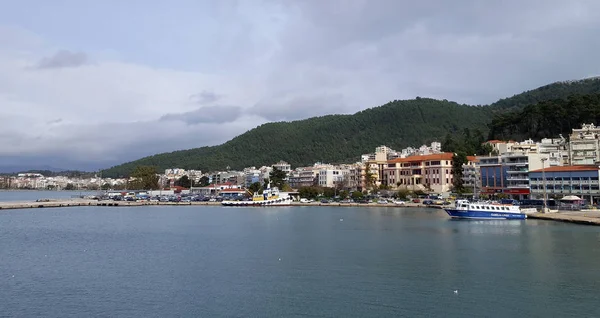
<point>525,170</point>
<point>518,186</point>
<point>517,163</point>
<point>518,178</point>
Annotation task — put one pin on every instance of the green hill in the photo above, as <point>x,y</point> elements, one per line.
<point>558,90</point>
<point>332,138</point>
<point>398,124</point>
<point>547,118</point>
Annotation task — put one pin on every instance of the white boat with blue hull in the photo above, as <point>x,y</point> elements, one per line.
<point>487,211</point>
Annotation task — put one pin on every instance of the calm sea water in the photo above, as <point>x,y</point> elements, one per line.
<point>31,195</point>
<point>292,261</point>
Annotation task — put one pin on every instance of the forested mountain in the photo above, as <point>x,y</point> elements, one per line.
<point>558,90</point>
<point>332,138</point>
<point>545,111</point>
<point>547,119</point>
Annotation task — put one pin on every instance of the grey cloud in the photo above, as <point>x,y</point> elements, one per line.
<point>62,59</point>
<point>299,107</point>
<point>209,114</point>
<point>205,97</point>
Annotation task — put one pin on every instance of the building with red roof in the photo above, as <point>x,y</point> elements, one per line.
<point>561,181</point>
<point>426,172</point>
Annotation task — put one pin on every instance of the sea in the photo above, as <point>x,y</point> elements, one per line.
<point>32,195</point>
<point>212,261</point>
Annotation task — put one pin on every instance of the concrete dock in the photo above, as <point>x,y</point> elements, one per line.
<point>591,217</point>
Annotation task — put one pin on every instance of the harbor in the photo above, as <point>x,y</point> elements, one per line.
<point>586,217</point>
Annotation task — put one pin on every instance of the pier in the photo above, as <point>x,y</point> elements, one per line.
<point>591,217</point>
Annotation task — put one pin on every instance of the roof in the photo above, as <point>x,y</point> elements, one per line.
<point>568,168</point>
<point>233,190</point>
<point>437,156</point>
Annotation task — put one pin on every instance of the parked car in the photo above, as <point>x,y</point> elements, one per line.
<point>428,202</point>
<point>416,200</point>
<point>399,202</point>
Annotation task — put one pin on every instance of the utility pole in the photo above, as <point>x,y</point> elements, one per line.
<point>544,184</point>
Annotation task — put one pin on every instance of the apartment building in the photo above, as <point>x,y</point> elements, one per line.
<point>334,178</point>
<point>302,177</point>
<point>560,181</point>
<point>584,145</point>
<point>508,173</point>
<point>283,166</point>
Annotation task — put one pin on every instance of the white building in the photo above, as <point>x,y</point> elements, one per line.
<point>584,145</point>
<point>334,177</point>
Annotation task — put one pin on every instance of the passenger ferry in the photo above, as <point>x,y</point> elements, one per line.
<point>269,197</point>
<point>483,210</point>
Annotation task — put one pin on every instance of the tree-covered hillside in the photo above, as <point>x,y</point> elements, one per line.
<point>558,90</point>
<point>333,138</point>
<point>547,119</point>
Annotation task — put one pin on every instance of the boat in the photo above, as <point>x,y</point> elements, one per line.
<point>464,209</point>
<point>269,197</point>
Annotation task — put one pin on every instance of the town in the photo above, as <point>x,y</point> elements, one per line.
<point>554,167</point>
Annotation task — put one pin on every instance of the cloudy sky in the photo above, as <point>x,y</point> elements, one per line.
<point>89,84</point>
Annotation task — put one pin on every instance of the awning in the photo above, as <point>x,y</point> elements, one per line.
<point>571,198</point>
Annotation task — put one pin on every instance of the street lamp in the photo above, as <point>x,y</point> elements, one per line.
<point>544,184</point>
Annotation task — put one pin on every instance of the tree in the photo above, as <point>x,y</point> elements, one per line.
<point>184,181</point>
<point>204,181</point>
<point>458,160</point>
<point>343,194</point>
<point>106,186</point>
<point>277,178</point>
<point>310,192</point>
<point>329,192</point>
<point>402,194</point>
<point>144,178</point>
<point>357,195</point>
<point>70,186</point>
<point>255,188</point>
<point>370,177</point>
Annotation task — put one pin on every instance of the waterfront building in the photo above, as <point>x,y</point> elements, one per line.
<point>251,175</point>
<point>508,173</point>
<point>334,177</point>
<point>584,145</point>
<point>215,189</point>
<point>356,177</point>
<point>471,177</point>
<point>432,173</point>
<point>561,181</point>
<point>302,177</point>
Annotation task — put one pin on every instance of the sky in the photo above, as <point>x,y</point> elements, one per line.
<point>91,84</point>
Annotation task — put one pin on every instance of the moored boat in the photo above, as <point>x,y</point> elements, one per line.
<point>483,210</point>
<point>269,197</point>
